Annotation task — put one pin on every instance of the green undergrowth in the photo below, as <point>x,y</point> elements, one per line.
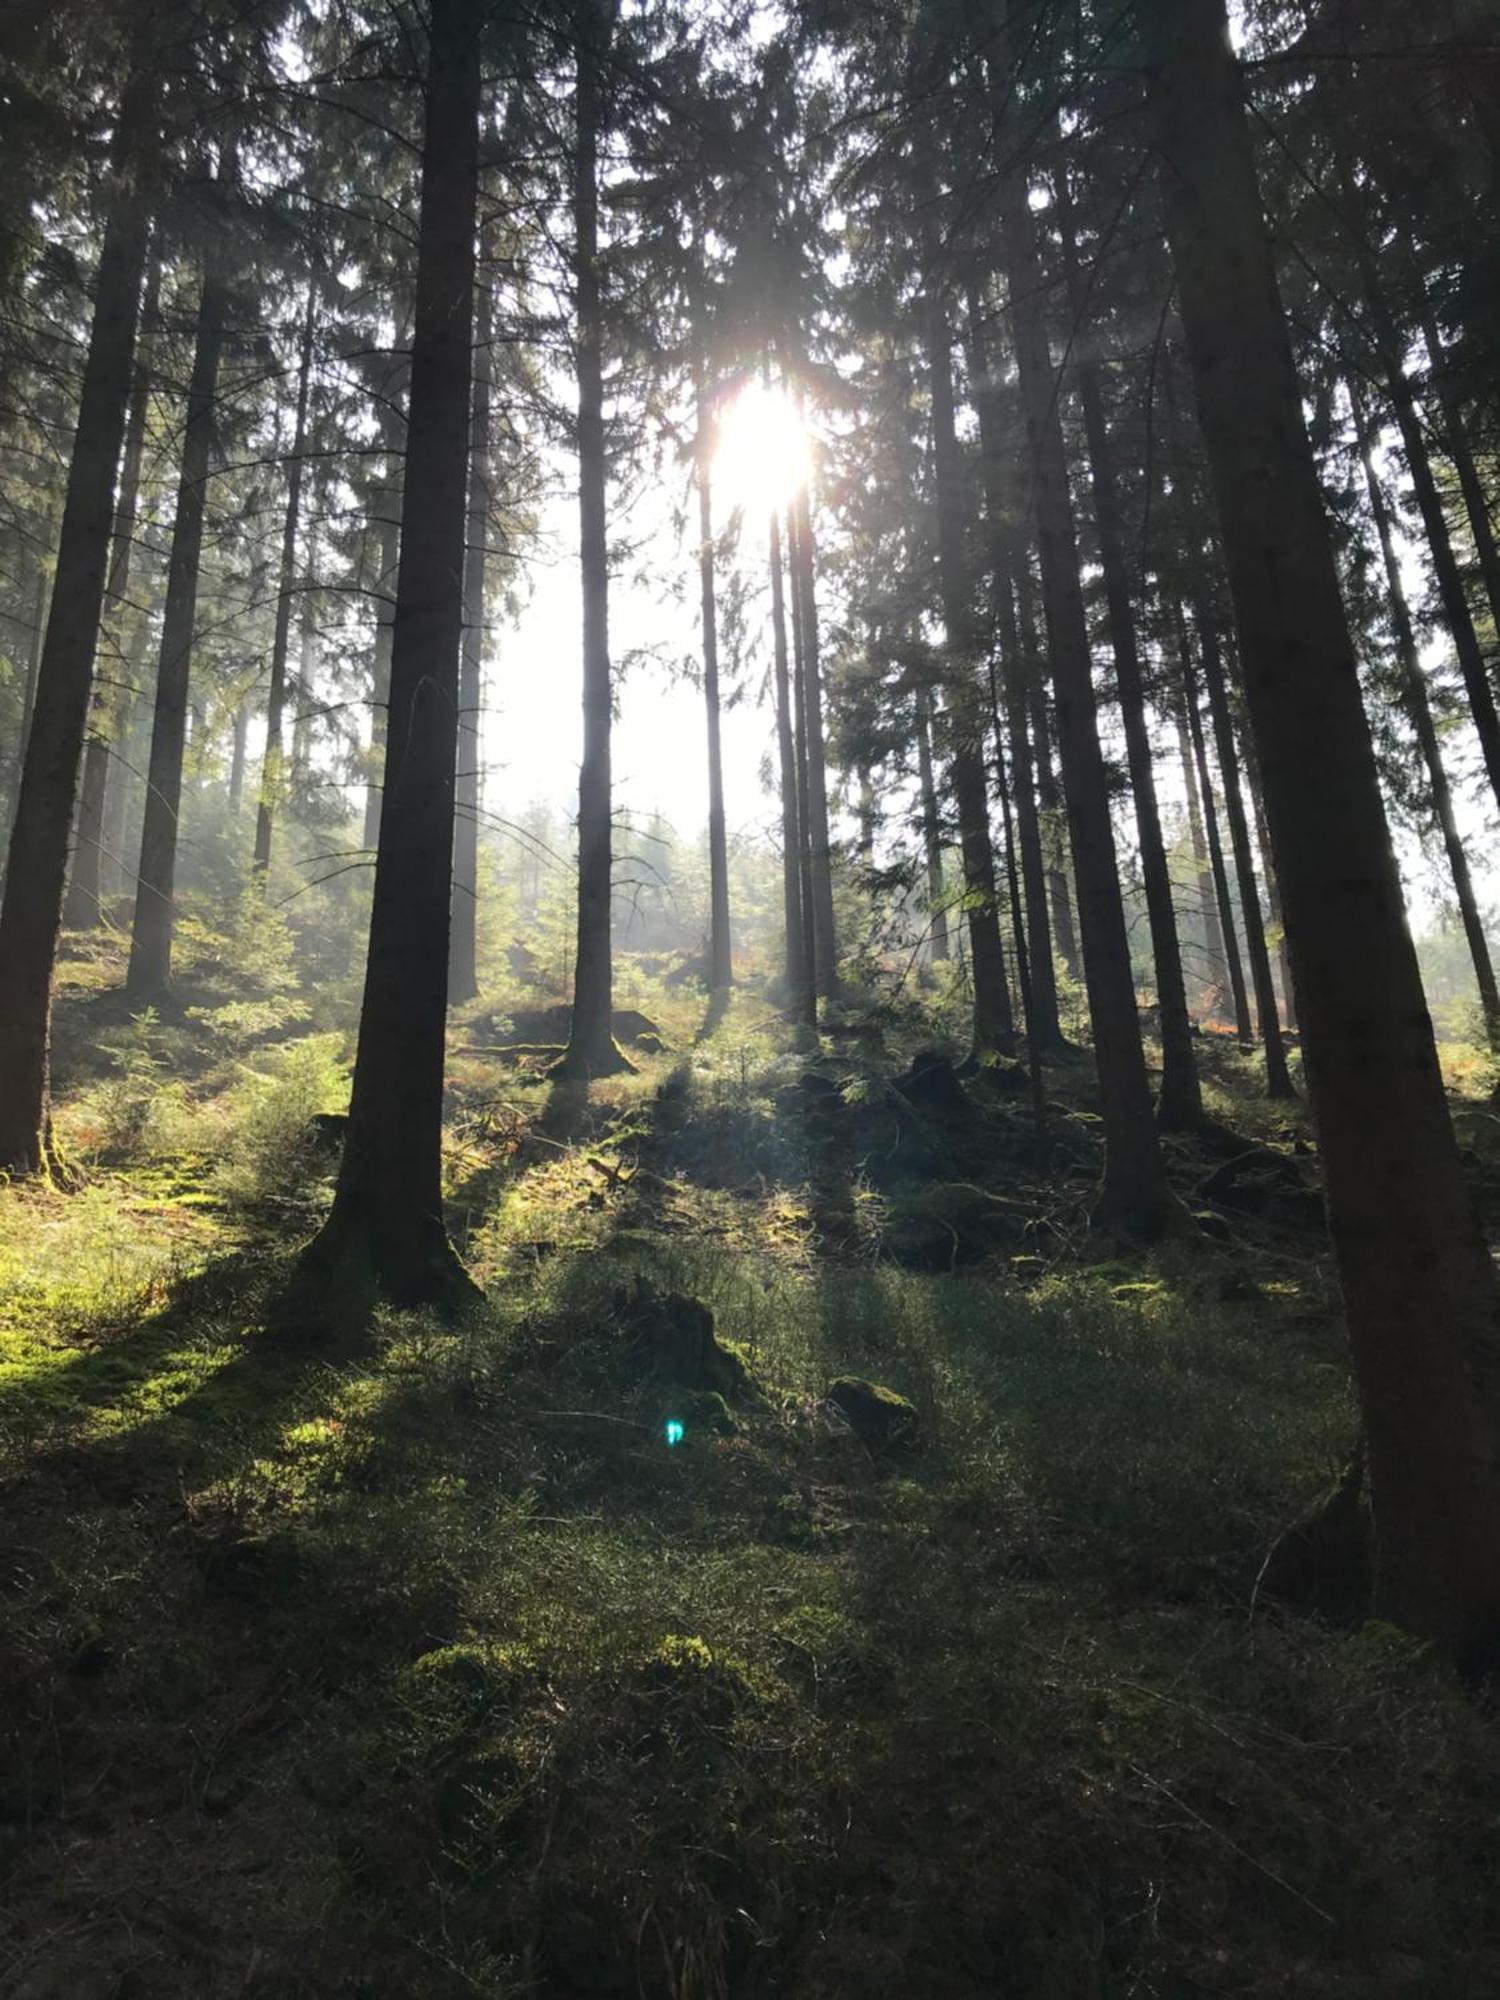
<point>424,1664</point>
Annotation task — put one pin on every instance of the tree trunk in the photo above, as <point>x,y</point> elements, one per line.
<point>28,693</point>
<point>1049,798</point>
<point>463,954</point>
<point>798,980</point>
<point>1251,766</point>
<point>1042,1024</point>
<point>820,858</point>
<point>386,1224</point>
<point>83,908</point>
<point>591,1047</point>
<point>31,913</point>
<point>1228,937</point>
<point>721,972</point>
<point>237,760</point>
<point>155,911</point>
<point>1456,444</point>
<point>386,512</point>
<point>932,842</point>
<point>1419,1290</point>
<point>1134,1194</point>
<point>994,1019</point>
<point>1213,936</point>
<point>1452,595</point>
<point>804,809</point>
<point>1419,709</point>
<point>1180,1104</point>
<point>1278,1077</point>
<point>271,774</point>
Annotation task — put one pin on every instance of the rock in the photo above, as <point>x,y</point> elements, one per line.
<point>881,1419</point>
<point>932,1085</point>
<point>1213,1225</point>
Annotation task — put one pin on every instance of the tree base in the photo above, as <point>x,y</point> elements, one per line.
<point>590,1065</point>
<point>357,1258</point>
<point>1325,1565</point>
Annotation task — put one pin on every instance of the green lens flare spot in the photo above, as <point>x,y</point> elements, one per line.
<point>674,1431</point>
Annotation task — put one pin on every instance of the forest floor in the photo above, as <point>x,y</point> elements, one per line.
<point>414,1660</point>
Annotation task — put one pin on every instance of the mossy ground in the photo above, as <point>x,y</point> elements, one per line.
<point>423,1665</point>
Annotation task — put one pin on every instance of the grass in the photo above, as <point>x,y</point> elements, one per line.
<point>425,1666</point>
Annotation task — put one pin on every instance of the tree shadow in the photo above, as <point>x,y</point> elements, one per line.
<point>719,1002</point>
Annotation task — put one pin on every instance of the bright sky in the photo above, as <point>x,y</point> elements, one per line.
<point>533,724</point>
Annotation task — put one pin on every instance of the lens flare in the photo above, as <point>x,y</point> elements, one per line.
<point>761,456</point>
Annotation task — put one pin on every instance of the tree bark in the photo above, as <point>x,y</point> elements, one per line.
<point>1134,1194</point>
<point>1278,1077</point>
<point>1213,936</point>
<point>1419,1290</point>
<point>820,856</point>
<point>1042,1023</point>
<point>1228,936</point>
<point>1049,796</point>
<point>31,913</point>
<point>386,1225</point>
<point>463,952</point>
<point>1456,445</point>
<point>28,693</point>
<point>1180,1103</point>
<point>932,842</point>
<point>107,705</point>
<point>387,515</point>
<point>1452,595</point>
<point>1419,710</point>
<point>591,1049</point>
<point>155,910</point>
<point>798,980</point>
<point>809,996</point>
<point>271,766</point>
<point>994,1019</point>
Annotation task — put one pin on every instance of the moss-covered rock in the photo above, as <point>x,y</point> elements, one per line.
<point>879,1417</point>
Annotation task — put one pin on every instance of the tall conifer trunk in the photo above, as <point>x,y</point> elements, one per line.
<point>150,969</point>
<point>1042,1024</point>
<point>1278,1077</point>
<point>591,1049</point>
<point>1208,909</point>
<point>463,955</point>
<point>1229,943</point>
<point>386,1224</point>
<point>801,557</point>
<point>932,839</point>
<point>1180,1104</point>
<point>31,912</point>
<point>1134,1195</point>
<point>109,702</point>
<point>271,766</point>
<point>798,977</point>
<point>1419,1289</point>
<point>1419,710</point>
<point>720,966</point>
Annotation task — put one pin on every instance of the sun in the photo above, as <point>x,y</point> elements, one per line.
<point>762,455</point>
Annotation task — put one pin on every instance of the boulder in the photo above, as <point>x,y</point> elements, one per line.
<point>881,1419</point>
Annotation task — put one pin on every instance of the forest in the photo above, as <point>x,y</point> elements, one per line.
<point>749,1038</point>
